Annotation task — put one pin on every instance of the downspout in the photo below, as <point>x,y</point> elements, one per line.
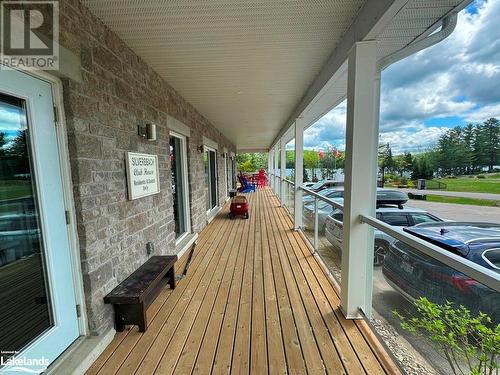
<point>448,25</point>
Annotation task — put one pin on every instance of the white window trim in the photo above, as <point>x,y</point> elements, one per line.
<point>178,127</point>
<point>211,144</point>
<point>184,166</point>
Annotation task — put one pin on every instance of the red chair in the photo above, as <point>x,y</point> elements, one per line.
<point>261,179</point>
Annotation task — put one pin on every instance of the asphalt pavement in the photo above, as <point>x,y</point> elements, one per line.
<point>462,194</point>
<point>386,299</point>
<point>459,212</point>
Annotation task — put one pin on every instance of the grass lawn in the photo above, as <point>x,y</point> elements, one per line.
<point>473,184</point>
<point>15,189</point>
<point>460,200</point>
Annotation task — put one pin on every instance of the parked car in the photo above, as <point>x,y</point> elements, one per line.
<point>324,209</point>
<point>336,192</point>
<point>415,274</point>
<point>325,184</point>
<point>392,215</point>
<point>384,196</point>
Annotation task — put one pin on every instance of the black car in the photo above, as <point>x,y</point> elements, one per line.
<point>415,274</point>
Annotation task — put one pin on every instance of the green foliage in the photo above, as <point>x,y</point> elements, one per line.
<point>490,184</point>
<point>469,149</point>
<point>462,200</point>
<point>252,162</point>
<point>470,344</point>
<point>330,162</point>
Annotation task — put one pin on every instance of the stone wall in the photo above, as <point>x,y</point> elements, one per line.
<point>118,92</point>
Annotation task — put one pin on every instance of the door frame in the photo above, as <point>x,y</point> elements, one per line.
<point>67,188</point>
<point>214,209</point>
<point>185,182</point>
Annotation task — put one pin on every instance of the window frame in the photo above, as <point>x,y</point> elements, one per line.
<point>214,150</point>
<point>185,183</point>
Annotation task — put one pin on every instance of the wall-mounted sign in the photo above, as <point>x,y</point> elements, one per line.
<point>142,175</point>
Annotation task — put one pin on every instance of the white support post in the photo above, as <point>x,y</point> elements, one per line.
<point>276,170</point>
<point>299,171</point>
<point>363,99</point>
<point>282,172</point>
<point>270,167</point>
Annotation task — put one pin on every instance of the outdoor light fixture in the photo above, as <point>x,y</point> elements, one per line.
<point>200,148</point>
<point>147,131</point>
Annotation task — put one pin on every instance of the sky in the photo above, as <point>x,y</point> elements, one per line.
<point>452,83</point>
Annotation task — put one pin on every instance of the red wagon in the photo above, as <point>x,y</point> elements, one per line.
<point>239,207</point>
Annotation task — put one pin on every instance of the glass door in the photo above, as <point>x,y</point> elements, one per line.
<point>37,304</point>
<point>210,160</point>
<point>178,161</point>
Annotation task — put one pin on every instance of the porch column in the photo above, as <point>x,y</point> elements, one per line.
<point>299,171</point>
<point>276,180</point>
<point>363,92</point>
<point>270,167</point>
<point>283,185</point>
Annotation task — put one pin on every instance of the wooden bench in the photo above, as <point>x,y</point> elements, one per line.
<point>133,295</point>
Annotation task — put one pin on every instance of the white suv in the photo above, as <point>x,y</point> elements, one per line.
<point>396,216</point>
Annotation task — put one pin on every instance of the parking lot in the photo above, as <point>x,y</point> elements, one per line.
<point>459,212</point>
<point>418,357</point>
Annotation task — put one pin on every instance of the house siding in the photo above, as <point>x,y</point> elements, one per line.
<point>119,91</point>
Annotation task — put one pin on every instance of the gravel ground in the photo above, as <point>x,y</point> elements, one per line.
<point>409,359</point>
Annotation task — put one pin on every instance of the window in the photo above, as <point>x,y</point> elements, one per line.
<point>338,215</point>
<point>492,257</point>
<point>210,160</point>
<point>226,171</point>
<point>178,160</point>
<point>419,218</point>
<point>335,194</point>
<point>395,218</point>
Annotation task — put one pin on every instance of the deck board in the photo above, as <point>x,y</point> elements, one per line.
<point>255,301</point>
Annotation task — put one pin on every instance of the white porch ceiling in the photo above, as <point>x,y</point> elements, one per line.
<point>246,64</point>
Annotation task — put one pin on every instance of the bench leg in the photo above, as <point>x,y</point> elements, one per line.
<point>171,275</point>
<point>119,323</point>
<point>141,316</point>
<point>130,314</point>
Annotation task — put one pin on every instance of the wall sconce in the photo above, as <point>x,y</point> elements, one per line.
<point>200,149</point>
<point>147,131</point>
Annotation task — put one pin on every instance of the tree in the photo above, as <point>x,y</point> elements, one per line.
<point>251,162</point>
<point>311,162</point>
<point>490,135</point>
<point>385,159</point>
<point>328,163</point>
<point>3,142</point>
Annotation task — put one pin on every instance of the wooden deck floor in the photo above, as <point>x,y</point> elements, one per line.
<point>255,301</point>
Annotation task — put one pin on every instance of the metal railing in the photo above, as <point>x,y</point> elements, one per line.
<point>317,198</point>
<point>289,192</point>
<point>485,276</point>
<point>488,277</point>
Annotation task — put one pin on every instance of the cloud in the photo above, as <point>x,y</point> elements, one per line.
<point>11,119</point>
<point>452,78</point>
<point>452,83</point>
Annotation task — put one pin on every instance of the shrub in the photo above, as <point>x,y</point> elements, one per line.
<point>480,176</point>
<point>469,343</point>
